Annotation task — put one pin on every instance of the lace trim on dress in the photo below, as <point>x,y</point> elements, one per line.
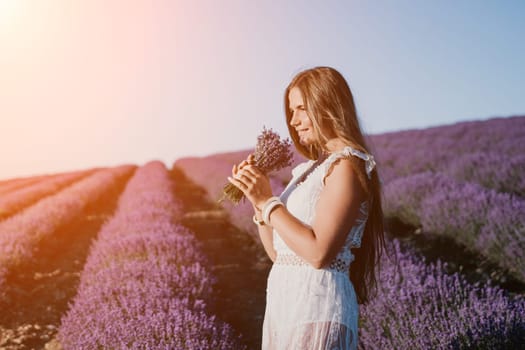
<point>302,168</point>
<point>357,231</point>
<point>370,162</point>
<point>299,168</point>
<point>337,264</point>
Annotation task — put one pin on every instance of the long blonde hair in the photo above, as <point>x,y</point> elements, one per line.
<point>330,106</point>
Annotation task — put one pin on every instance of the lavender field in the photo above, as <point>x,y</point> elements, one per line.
<point>143,257</point>
<point>454,200</point>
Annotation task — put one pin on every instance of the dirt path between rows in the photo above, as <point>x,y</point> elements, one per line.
<point>239,263</point>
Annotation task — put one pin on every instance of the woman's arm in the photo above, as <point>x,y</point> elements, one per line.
<point>266,236</point>
<point>265,231</point>
<point>336,211</point>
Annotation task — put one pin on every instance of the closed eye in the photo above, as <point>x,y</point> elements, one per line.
<point>301,107</point>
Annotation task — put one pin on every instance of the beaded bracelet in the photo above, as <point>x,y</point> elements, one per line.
<point>268,207</point>
<point>258,222</point>
<point>269,201</point>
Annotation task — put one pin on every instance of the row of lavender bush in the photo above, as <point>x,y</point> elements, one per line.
<point>489,151</point>
<point>14,184</point>
<point>484,220</point>
<point>21,234</point>
<point>15,200</point>
<point>420,306</point>
<point>145,284</point>
<point>494,170</point>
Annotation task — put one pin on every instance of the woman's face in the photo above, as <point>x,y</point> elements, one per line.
<point>300,120</point>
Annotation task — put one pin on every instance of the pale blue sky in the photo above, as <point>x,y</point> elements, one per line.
<point>99,83</point>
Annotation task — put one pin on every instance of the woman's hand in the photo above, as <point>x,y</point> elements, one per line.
<point>249,160</point>
<point>252,182</point>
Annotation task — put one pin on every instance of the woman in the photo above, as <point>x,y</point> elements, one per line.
<point>327,219</point>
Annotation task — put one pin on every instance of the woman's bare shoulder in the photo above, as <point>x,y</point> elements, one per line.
<point>343,172</point>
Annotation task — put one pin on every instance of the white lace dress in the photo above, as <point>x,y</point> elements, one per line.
<point>309,308</point>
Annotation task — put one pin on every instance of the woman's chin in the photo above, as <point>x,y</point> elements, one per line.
<point>305,142</point>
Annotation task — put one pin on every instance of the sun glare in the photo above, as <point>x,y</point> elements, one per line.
<point>8,12</point>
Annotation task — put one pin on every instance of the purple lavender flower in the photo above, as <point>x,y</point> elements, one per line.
<point>406,152</point>
<point>420,306</point>
<point>145,284</point>
<point>481,219</point>
<point>271,154</point>
<point>492,170</point>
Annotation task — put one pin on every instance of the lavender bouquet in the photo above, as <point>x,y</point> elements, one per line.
<point>271,154</point>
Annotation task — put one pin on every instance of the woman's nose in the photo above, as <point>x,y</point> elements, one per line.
<point>294,121</point>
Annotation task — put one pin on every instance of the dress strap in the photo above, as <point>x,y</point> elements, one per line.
<point>299,169</point>
<point>347,151</point>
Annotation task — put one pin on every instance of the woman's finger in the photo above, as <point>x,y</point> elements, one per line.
<point>246,174</point>
<point>244,163</point>
<point>253,170</point>
<point>249,160</point>
<point>237,183</point>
